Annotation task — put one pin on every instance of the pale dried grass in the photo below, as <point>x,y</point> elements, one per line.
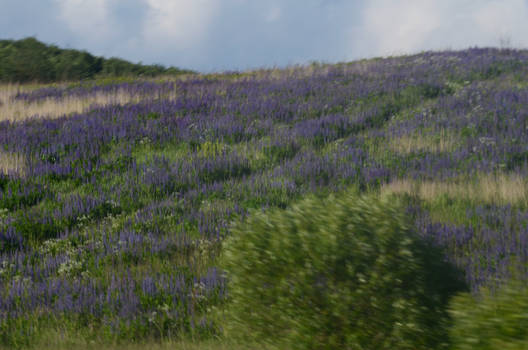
<point>444,141</point>
<point>19,110</point>
<point>13,110</point>
<point>493,189</point>
<point>8,91</point>
<point>11,163</point>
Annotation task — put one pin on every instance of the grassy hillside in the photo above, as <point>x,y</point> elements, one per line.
<point>113,212</point>
<point>29,60</point>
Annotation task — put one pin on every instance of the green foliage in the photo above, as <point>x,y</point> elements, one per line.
<point>17,195</point>
<point>491,320</point>
<point>343,272</point>
<point>212,149</point>
<point>31,60</point>
<point>277,152</point>
<point>75,65</point>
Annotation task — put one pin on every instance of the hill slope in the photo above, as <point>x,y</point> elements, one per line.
<point>112,219</point>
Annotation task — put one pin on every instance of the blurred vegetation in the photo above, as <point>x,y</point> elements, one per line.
<point>345,272</point>
<point>492,319</point>
<point>29,60</point>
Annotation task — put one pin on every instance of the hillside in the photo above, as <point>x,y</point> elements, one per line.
<point>112,215</point>
<point>29,60</point>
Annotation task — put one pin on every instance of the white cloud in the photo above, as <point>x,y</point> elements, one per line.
<point>89,19</point>
<point>396,27</point>
<point>179,24</point>
<point>504,20</point>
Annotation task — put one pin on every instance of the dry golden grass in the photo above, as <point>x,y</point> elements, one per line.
<point>13,110</point>
<point>496,189</point>
<point>7,92</point>
<point>10,162</point>
<point>442,142</point>
<point>19,110</point>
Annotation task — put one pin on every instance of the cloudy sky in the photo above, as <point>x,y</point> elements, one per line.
<point>217,35</point>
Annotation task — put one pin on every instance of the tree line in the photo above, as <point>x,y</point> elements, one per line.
<point>28,60</point>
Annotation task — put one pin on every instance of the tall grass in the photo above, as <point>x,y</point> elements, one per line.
<point>11,162</point>
<point>443,141</point>
<point>500,189</point>
<point>20,110</point>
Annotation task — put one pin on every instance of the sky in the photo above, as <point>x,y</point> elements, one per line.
<point>220,35</point>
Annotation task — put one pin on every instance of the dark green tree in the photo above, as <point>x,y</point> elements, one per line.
<point>31,60</point>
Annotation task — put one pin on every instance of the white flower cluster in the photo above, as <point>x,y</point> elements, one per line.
<point>5,268</point>
<point>73,266</point>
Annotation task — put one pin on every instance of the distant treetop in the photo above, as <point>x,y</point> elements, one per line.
<point>31,60</point>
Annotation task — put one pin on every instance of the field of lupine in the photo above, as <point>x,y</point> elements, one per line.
<point>112,216</point>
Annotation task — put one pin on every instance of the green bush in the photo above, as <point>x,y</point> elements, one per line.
<point>491,320</point>
<point>343,272</point>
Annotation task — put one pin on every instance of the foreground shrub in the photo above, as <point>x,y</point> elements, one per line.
<point>344,272</point>
<point>491,320</point>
